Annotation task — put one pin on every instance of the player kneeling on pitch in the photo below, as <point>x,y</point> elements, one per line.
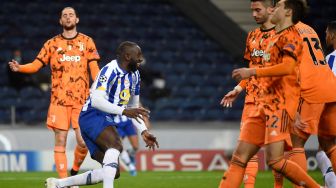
<point>115,92</point>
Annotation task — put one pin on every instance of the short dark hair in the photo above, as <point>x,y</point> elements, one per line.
<point>70,8</point>
<point>332,26</point>
<point>123,46</point>
<point>266,2</point>
<point>299,9</point>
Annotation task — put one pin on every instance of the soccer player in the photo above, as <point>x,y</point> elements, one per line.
<point>256,44</point>
<point>280,93</point>
<point>69,56</point>
<point>115,92</point>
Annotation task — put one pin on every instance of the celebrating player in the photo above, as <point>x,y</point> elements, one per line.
<point>69,56</point>
<point>115,92</point>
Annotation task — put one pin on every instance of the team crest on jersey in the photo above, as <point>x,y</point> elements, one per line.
<point>81,46</point>
<point>102,79</point>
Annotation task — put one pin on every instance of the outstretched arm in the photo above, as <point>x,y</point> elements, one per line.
<point>27,68</point>
<point>286,67</point>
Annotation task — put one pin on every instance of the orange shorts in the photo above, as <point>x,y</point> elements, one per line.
<point>327,125</point>
<point>248,108</point>
<point>310,113</point>
<point>262,126</point>
<point>60,117</point>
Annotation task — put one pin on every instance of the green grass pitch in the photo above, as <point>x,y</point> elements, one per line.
<point>144,180</point>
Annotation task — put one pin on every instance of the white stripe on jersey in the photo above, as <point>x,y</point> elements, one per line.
<point>331,59</point>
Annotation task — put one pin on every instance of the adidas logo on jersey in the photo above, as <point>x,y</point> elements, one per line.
<point>257,53</point>
<point>274,133</point>
<point>75,58</point>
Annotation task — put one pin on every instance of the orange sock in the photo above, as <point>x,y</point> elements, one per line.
<point>251,172</point>
<point>332,156</point>
<point>80,154</point>
<point>60,161</point>
<point>233,177</point>
<point>298,155</point>
<point>293,172</point>
<point>278,179</point>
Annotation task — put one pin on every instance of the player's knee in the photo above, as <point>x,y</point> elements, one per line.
<point>237,160</point>
<point>118,146</point>
<point>276,164</point>
<point>60,140</point>
<point>326,142</point>
<point>82,145</point>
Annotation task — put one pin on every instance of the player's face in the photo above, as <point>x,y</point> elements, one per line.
<point>136,58</point>
<point>68,19</point>
<point>329,38</point>
<point>259,12</point>
<point>279,12</point>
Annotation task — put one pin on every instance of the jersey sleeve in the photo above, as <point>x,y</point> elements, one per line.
<point>45,53</point>
<point>247,53</point>
<point>92,53</point>
<point>105,78</point>
<point>292,45</point>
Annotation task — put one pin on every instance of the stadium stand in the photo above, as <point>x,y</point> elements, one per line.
<point>196,68</point>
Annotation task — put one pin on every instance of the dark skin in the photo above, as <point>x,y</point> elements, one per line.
<point>130,60</point>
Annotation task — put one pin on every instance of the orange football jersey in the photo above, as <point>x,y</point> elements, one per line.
<point>256,43</point>
<point>69,63</point>
<point>317,81</point>
<point>282,92</point>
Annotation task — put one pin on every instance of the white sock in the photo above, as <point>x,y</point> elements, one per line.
<point>87,178</point>
<point>326,169</point>
<point>110,166</point>
<point>127,160</point>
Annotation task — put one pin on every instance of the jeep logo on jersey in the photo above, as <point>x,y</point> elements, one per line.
<point>75,58</point>
<point>257,53</point>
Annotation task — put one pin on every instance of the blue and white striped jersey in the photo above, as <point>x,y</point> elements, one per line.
<point>118,84</point>
<point>331,60</point>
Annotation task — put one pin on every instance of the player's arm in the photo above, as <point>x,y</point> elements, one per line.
<point>94,69</point>
<point>93,58</point>
<point>27,68</point>
<point>286,67</point>
<point>100,102</point>
<point>232,95</point>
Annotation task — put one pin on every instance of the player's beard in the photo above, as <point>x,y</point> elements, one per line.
<point>261,20</point>
<point>69,27</point>
<point>132,66</point>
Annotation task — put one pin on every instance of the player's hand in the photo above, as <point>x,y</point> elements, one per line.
<point>14,65</point>
<point>136,113</point>
<point>298,123</point>
<point>229,98</point>
<point>243,73</point>
<point>150,140</point>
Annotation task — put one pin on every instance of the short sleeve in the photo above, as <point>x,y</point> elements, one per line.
<point>92,53</point>
<point>45,53</point>
<point>292,45</point>
<point>247,53</point>
<point>106,78</point>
